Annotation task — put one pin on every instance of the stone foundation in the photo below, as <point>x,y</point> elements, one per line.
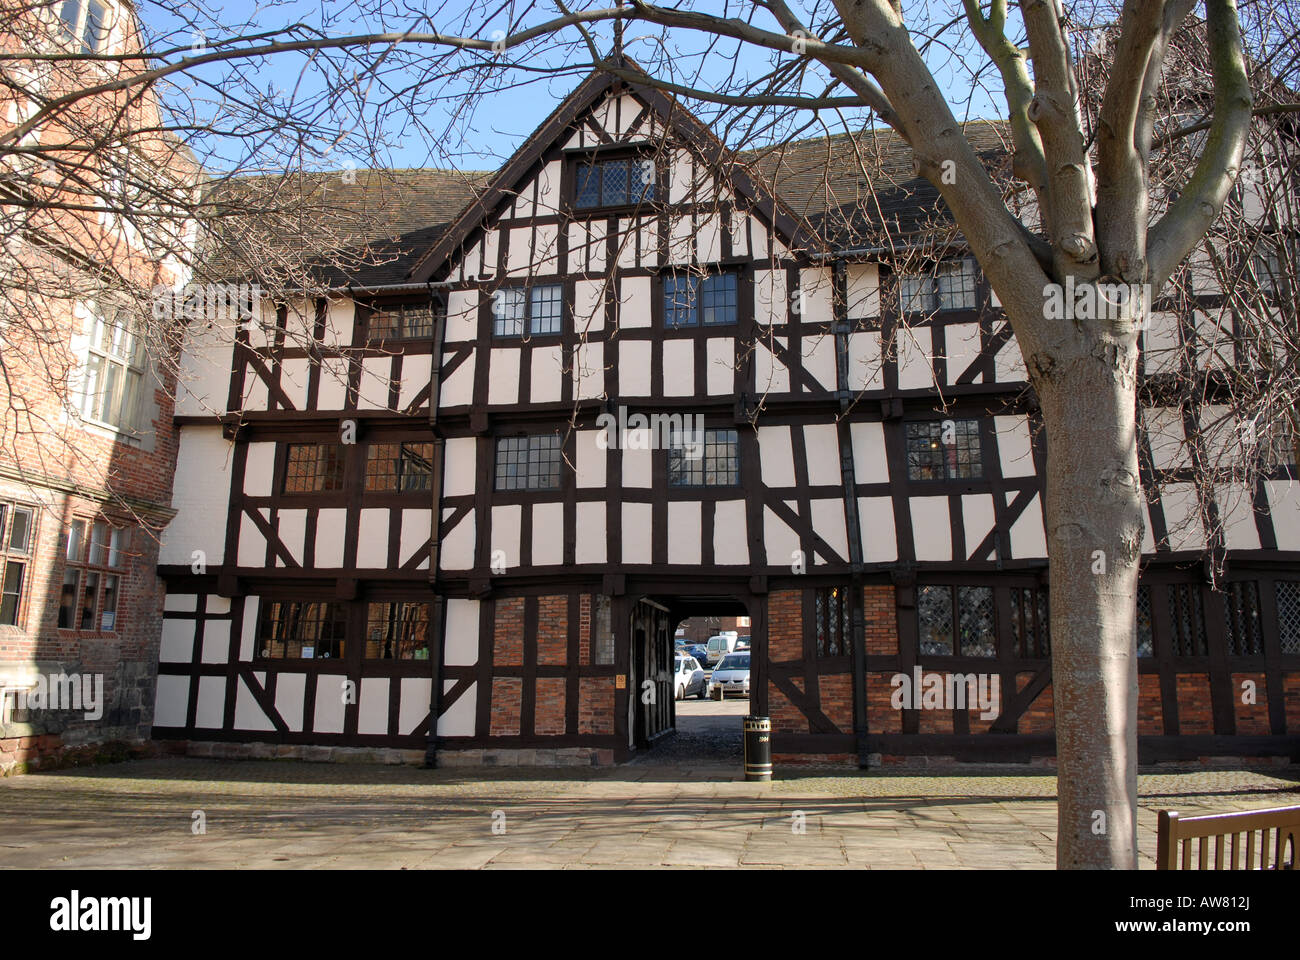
<point>28,754</point>
<point>491,757</point>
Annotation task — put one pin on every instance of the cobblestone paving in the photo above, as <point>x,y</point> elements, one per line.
<point>287,814</point>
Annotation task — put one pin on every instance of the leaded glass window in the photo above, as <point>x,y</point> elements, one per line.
<point>944,450</point>
<point>1241,619</point>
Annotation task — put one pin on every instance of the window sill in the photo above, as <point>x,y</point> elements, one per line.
<point>125,435</point>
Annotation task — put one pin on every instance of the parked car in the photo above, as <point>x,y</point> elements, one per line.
<point>730,676</point>
<point>720,645</point>
<point>699,651</point>
<point>742,643</point>
<point>689,678</point>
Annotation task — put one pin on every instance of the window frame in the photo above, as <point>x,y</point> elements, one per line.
<point>74,33</point>
<point>957,620</point>
<point>127,359</point>
<point>677,446</point>
<point>340,468</point>
<point>11,556</point>
<point>527,319</point>
<point>398,607</point>
<point>399,474</point>
<point>828,614</point>
<point>525,487</point>
<point>949,466</point>
<point>695,306</point>
<point>94,564</point>
<point>335,613</point>
<point>598,158</point>
<point>935,281</point>
<point>401,331</point>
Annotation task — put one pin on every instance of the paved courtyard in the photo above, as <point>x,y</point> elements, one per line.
<point>294,814</point>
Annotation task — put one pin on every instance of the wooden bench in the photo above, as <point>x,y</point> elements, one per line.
<point>1279,838</point>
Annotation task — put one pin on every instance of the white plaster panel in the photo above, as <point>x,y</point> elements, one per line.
<point>547,374</point>
<point>372,706</point>
<point>730,533</point>
<point>876,521</point>
<point>171,701</point>
<point>331,526</point>
<point>328,716</point>
<point>931,528</point>
<point>870,463</point>
<point>461,643</point>
<point>679,368</point>
<point>721,359</point>
<point>200,497</point>
<point>637,518</point>
<point>548,533</point>
<point>591,543</point>
<point>259,469</point>
<point>507,521</point>
<point>822,445</point>
<point>372,539</point>
<point>503,376</point>
<point>634,368</point>
<point>290,699</point>
<point>684,546</point>
<point>591,459</point>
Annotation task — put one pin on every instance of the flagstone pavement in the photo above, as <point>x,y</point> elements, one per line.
<point>293,814</point>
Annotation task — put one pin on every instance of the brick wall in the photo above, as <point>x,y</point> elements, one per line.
<point>836,695</point>
<point>786,717</point>
<point>549,715</point>
<point>881,715</point>
<point>1252,718</point>
<point>552,629</point>
<point>785,626</point>
<point>596,705</point>
<point>508,632</point>
<point>1194,712</point>
<point>1040,717</point>
<point>1151,720</point>
<point>507,696</point>
<point>880,616</point>
<point>584,629</point>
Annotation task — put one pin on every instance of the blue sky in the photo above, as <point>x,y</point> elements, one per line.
<point>447,126</point>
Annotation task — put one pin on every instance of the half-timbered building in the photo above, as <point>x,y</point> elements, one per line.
<point>456,504</point>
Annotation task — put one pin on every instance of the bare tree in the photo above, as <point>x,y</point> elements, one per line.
<point>1119,160</point>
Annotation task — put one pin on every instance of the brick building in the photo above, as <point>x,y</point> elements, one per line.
<point>87,445</point>
<point>422,537</point>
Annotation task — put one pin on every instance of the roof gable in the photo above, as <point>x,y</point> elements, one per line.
<point>583,101</point>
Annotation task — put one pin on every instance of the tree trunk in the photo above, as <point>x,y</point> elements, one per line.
<point>1086,385</point>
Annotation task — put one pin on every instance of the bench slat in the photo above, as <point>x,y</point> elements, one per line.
<point>1279,830</point>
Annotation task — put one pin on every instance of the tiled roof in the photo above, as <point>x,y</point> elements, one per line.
<point>853,189</point>
<point>377,223</point>
<point>336,228</point>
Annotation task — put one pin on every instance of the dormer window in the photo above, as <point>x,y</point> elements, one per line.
<point>614,183</point>
<point>85,22</point>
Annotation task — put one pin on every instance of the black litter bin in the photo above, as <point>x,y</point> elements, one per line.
<point>758,748</point>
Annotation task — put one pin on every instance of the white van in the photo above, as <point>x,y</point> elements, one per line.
<point>720,645</point>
